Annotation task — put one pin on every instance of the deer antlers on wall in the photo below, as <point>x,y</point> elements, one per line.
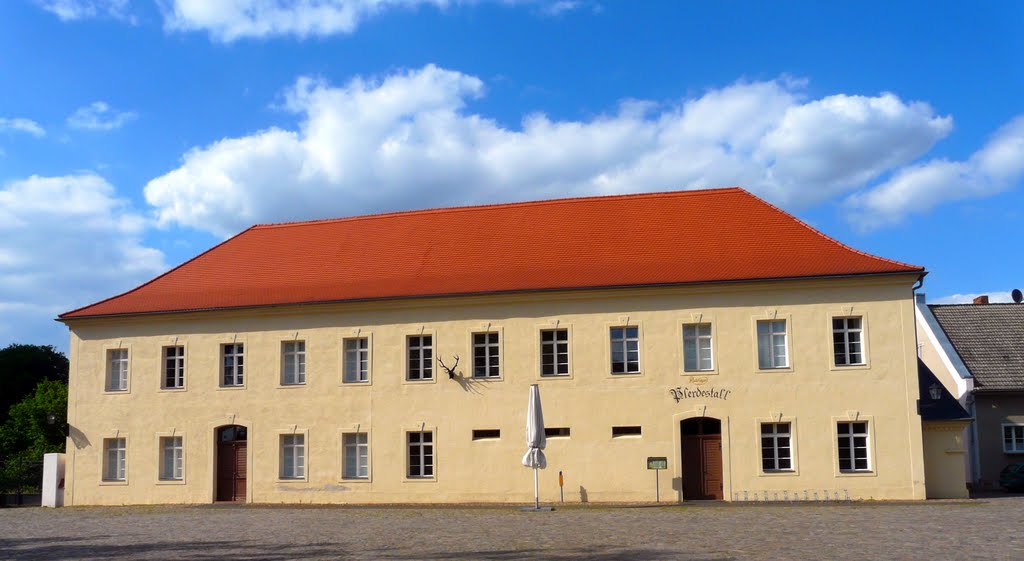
<point>450,371</point>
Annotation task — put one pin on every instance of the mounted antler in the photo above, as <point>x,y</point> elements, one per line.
<point>450,371</point>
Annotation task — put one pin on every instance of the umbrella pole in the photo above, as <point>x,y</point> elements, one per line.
<point>536,490</point>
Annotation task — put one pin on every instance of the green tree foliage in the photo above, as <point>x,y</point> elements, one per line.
<point>27,433</point>
<point>22,367</point>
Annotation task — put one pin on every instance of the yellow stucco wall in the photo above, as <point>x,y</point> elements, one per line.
<point>944,467</point>
<point>812,394</point>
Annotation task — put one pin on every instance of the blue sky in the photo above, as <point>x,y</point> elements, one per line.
<point>134,135</point>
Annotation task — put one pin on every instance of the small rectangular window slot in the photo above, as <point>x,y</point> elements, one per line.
<point>486,434</point>
<point>557,432</point>
<point>626,431</point>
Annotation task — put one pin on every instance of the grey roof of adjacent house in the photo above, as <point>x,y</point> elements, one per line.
<point>989,339</point>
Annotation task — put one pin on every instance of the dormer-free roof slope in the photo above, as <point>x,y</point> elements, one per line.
<point>989,339</point>
<point>595,242</point>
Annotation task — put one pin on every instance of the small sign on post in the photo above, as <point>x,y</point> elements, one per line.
<point>657,464</point>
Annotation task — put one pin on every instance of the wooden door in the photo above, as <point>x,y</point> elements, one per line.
<point>231,471</point>
<point>693,481</point>
<point>711,466</point>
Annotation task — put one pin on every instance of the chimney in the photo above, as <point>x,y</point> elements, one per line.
<point>983,299</point>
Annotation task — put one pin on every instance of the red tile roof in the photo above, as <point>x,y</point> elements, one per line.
<point>613,241</point>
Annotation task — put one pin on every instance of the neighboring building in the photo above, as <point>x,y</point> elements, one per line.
<point>302,362</point>
<point>977,352</point>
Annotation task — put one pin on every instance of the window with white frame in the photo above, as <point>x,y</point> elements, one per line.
<point>625,343</point>
<point>293,456</point>
<point>171,458</point>
<point>234,363</point>
<point>853,446</point>
<point>847,341</point>
<point>486,355</point>
<point>1013,439</point>
<point>114,459</point>
<point>776,449</point>
<point>697,347</point>
<point>293,363</point>
<point>357,360</point>
<point>421,454</point>
<point>355,455</point>
<point>771,344</point>
<point>554,352</point>
<point>174,367</point>
<point>117,370</point>
<point>421,357</point>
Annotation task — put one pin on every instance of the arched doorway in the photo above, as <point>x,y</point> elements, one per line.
<point>231,447</point>
<point>701,458</point>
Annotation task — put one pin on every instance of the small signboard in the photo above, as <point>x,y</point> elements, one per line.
<point>657,463</point>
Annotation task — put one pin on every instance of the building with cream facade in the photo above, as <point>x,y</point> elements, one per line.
<point>386,359</point>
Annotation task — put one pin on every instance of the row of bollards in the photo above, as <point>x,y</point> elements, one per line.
<point>808,495</point>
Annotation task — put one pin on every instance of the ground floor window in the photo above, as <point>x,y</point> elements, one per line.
<point>1013,438</point>
<point>293,456</point>
<point>171,459</point>
<point>776,449</point>
<point>356,457</point>
<point>421,454</point>
<point>114,459</point>
<point>853,446</point>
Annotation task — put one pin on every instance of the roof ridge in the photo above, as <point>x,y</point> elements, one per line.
<point>830,238</point>
<point>156,278</point>
<point>539,202</point>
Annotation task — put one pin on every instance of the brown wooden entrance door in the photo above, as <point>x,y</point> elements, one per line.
<point>701,441</point>
<point>231,463</point>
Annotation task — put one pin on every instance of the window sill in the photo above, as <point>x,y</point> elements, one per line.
<point>114,482</point>
<point>419,382</point>
<point>172,390</point>
<point>555,377</point>
<point>291,479</point>
<point>170,481</point>
<point>290,386</point>
<point>780,473</point>
<point>358,480</point>
<point>868,473</point>
<point>229,388</point>
<point>779,370</point>
<point>712,372</point>
<point>408,479</point>
<point>486,379</point>
<point>626,374</point>
<point>357,382</point>
<point>842,367</point>
<point>117,392</point>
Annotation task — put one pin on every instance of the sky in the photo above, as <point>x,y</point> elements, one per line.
<point>136,134</point>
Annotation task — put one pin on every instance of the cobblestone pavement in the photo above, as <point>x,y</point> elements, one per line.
<point>984,529</point>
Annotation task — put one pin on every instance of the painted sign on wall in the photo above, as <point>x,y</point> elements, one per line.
<point>686,392</point>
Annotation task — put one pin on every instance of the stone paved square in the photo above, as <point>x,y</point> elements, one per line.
<point>982,529</point>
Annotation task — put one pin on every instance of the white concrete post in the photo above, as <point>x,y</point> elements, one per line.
<point>53,480</point>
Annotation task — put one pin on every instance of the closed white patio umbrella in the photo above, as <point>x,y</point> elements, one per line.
<point>536,441</point>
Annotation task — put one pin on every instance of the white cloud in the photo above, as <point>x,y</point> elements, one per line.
<point>560,7</point>
<point>996,167</point>
<point>22,125</point>
<point>65,242</point>
<point>71,10</point>
<point>229,21</point>
<point>409,140</point>
<point>994,297</point>
<point>98,115</point>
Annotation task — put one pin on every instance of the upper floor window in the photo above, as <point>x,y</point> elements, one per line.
<point>174,367</point>
<point>853,446</point>
<point>486,355</point>
<point>1013,439</point>
<point>625,342</point>
<point>114,459</point>
<point>234,359</point>
<point>421,357</point>
<point>293,359</point>
<point>776,449</point>
<point>847,341</point>
<point>117,370</point>
<point>171,458</point>
<point>293,456</point>
<point>697,347</point>
<point>357,360</point>
<point>554,352</point>
<point>771,344</point>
